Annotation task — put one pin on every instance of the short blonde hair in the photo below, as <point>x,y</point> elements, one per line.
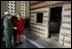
<point>18,14</point>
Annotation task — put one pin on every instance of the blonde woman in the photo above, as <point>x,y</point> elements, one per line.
<point>19,26</point>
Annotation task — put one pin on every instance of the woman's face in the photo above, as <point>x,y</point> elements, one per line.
<point>18,15</point>
<point>8,17</point>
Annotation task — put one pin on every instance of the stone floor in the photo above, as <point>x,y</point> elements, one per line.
<point>26,44</point>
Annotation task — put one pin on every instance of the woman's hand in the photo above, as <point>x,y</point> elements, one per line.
<point>15,27</point>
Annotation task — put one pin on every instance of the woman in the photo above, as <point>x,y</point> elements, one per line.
<point>7,30</point>
<point>19,26</point>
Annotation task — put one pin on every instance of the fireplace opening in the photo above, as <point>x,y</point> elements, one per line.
<point>55,21</point>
